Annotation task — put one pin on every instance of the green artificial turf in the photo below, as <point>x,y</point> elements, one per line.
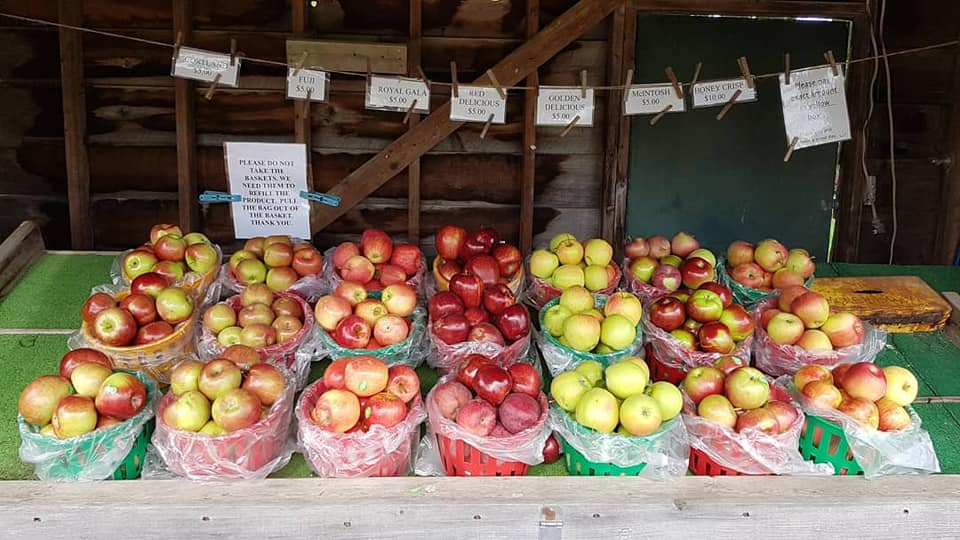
<point>942,422</point>
<point>52,292</point>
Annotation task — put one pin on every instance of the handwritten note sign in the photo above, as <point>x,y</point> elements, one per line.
<point>397,93</point>
<point>651,99</point>
<point>477,104</point>
<point>557,106</point>
<point>310,82</point>
<point>814,107</point>
<point>201,65</point>
<point>718,93</point>
<point>269,178</point>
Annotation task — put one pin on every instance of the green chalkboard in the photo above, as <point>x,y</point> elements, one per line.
<point>726,180</point>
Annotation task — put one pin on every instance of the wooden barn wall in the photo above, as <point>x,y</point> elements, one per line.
<point>131,121</point>
<point>924,92</point>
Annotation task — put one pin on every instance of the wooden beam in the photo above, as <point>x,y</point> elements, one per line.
<point>796,8</point>
<point>75,124</point>
<point>184,97</point>
<point>413,170</point>
<point>350,55</point>
<point>528,189</point>
<point>301,108</point>
<point>437,126</point>
<point>948,236</point>
<point>17,253</point>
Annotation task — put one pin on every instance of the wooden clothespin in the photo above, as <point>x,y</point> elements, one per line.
<point>659,115</point>
<point>453,79</point>
<point>300,63</point>
<point>728,104</point>
<point>628,80</point>
<point>673,80</point>
<point>786,68</point>
<point>583,84</point>
<point>213,87</point>
<point>570,126</point>
<point>793,144</point>
<point>309,93</point>
<point>406,117</point>
<point>486,126</point>
<point>833,63</point>
<point>369,71</point>
<point>177,44</point>
<point>745,71</point>
<point>423,76</point>
<point>696,74</point>
<point>233,51</point>
<point>496,84</point>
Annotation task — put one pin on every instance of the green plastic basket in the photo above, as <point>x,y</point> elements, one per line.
<point>578,465</point>
<point>132,465</point>
<point>822,441</point>
<point>606,360</point>
<point>743,295</point>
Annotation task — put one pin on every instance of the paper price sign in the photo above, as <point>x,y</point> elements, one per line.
<point>397,94</point>
<point>652,99</point>
<point>477,104</point>
<point>814,107</point>
<point>560,106</point>
<point>718,93</point>
<point>201,65</point>
<point>308,82</point>
<point>269,178</point>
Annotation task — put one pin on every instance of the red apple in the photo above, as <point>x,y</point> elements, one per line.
<point>449,241</point>
<point>738,321</point>
<point>153,332</point>
<point>823,394</point>
<point>358,268</point>
<point>727,364</point>
<point>696,272</point>
<point>391,274</point>
<point>448,269</point>
<point>812,308</point>
<point>659,246</point>
<point>376,245</point>
<point>508,259</point>
<point>174,305</point>
<point>149,284</point>
<point>403,382</point>
<point>287,327</point>
<point>241,355</point>
<point>384,409</point>
<point>408,257</point>
<point>704,306</point>
<point>333,375</point>
<point>469,288</point>
<point>747,388</point>
<point>844,329</point>
<point>715,337</point>
<point>784,278</point>
<point>861,410</point>
<point>172,270</point>
<point>160,230</point>
<point>255,314</point>
<point>514,322</point>
<point>865,380</point>
<point>238,408</point>
<point>287,306</point>
<point>683,244</point>
<point>400,299</point>
<point>636,247</point>
<point>668,314</point>
<point>95,304</point>
<point>763,420</point>
<point>115,327</point>
<point>451,329</point>
<point>121,395</point>
<point>492,383</point>
<point>336,410</point>
<point>519,412</point>
<point>74,416</point>
<point>485,333</point>
<point>810,373</point>
<point>450,397</point>
<point>476,316</point>
<point>343,253</point>
<point>525,378</point>
<point>738,253</point>
<point>266,382</point>
<point>478,243</point>
<point>330,310</point>
<point>667,277</point>
<point>838,373</point>
<point>748,274</point>
<point>551,449</point>
<point>80,356</point>
<point>477,417</point>
<point>218,377</point>
<point>390,329</point>
<point>307,262</point>
<point>786,413</point>
<point>470,366</point>
<point>703,381</point>
<point>893,417</point>
<point>722,291</point>
<point>443,304</point>
<point>365,376</point>
<point>485,267</point>
<point>39,399</point>
<point>497,298</point>
<point>352,333</point>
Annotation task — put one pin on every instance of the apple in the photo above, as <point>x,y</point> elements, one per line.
<point>704,306</point>
<point>400,299</point>
<point>195,238</point>
<point>264,381</point>
<point>738,253</point>
<point>477,243</point>
<point>762,420</point>
<point>686,339</point>
<point>370,310</point>
<point>704,254</point>
<point>160,230</point>
<point>569,251</point>
<point>786,413</point>
<point>358,268</point>
<point>336,410</point>
<point>543,263</point>
<point>598,410</point>
<point>568,388</point>
<point>643,267</point>
<point>476,316</point>
<point>212,429</point>
<point>255,314</point>
<point>596,278</point>
<point>115,327</point>
<point>286,328</point>
<point>218,317</point>
<point>823,394</point>
<point>240,256</point>
<point>277,255</point>
<point>408,258</point>
<point>717,408</point>
<point>74,415</point>
<point>526,379</point>
<point>257,293</point>
<point>748,274</point>
<point>201,257</point>
<point>403,382</point>
<point>352,332</point>
<point>727,364</point>
<point>617,332</point>
<point>344,252</point>
<point>450,397</point>
<point>254,245</point>
<point>784,278</point>
<point>87,378</point>
<point>174,305</point>
<point>785,328</point>
<point>770,255</point>
<point>715,337</point>
<point>765,316</point>
<point>799,261</point>
<point>519,412</point>
<point>893,417</point>
<point>865,380</point>
<point>351,291</point>
<point>703,381</point>
<point>241,355</point>
<point>149,284</point>
<point>496,298</point>
<point>726,296</point>
<point>469,288</point>
<point>508,259</point>
<point>39,399</point>
<point>307,262</point>
<point>281,278</point>
<point>812,308</point>
<point>811,373</point>
<point>390,329</point>
<point>747,388</point>
<point>577,299</point>
<point>189,412</point>
<point>696,272</point>
<point>636,248</point>
<point>597,252</point>
<point>668,397</point>
<point>121,395</point>
<point>185,376</point>
<point>582,332</point>
<point>470,366</point>
<point>218,377</point>
<point>284,305</point>
<point>625,304</point>
<point>567,276</point>
<point>814,340</point>
<point>229,336</point>
<point>485,267</point>
<point>444,303</point>
<point>861,410</point>
<point>671,260</point>
<point>330,310</point>
<point>172,270</point>
<point>551,449</point>
<point>492,383</point>
<point>624,379</point>
<point>333,376</point>
<point>844,329</point>
<point>384,409</point>
<point>451,329</point>
<point>901,385</point>
<point>477,417</point>
<point>514,322</point>
<point>391,274</point>
<point>667,277</point>
<point>659,246</point>
<point>683,244</point>
<point>365,376</point>
<point>738,321</point>
<point>376,245</point>
<point>74,358</point>
<point>668,314</point>
<point>485,332</point>
<point>94,305</point>
<point>137,263</point>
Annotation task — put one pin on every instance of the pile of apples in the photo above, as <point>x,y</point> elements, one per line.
<point>261,319</point>
<point>480,253</point>
<point>362,392</point>
<point>148,314</point>
<point>224,395</point>
<point>87,395</point>
<point>171,254</point>
<point>355,321</point>
<point>490,401</point>
<point>568,263</point>
<point>580,326</point>
<point>276,261</point>
<point>618,399</point>
<point>668,264</point>
<point>377,262</point>
<point>803,318</point>
<point>876,397</point>
<point>472,310</point>
<point>768,265</point>
<point>704,320</point>
<point>739,399</point>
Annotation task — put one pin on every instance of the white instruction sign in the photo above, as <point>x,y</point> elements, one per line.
<point>718,93</point>
<point>652,99</point>
<point>269,178</point>
<point>201,65</point>
<point>308,82</point>
<point>815,107</point>
<point>559,106</point>
<point>397,94</point>
<point>478,104</point>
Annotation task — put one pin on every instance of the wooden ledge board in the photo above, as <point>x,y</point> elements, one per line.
<point>18,253</point>
<point>898,304</point>
<point>349,55</point>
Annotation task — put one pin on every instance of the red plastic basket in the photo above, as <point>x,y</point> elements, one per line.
<point>702,465</point>
<point>461,459</point>
<point>662,372</point>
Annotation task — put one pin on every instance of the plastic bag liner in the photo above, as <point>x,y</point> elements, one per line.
<point>646,292</point>
<point>667,350</point>
<point>294,354</point>
<point>333,278</point>
<point>309,287</point>
<point>525,447</point>
<point>879,453</point>
<point>434,282</point>
<point>205,287</point>
<point>776,360</point>
<point>410,351</point>
<point>380,451</point>
<point>746,296</point>
<point>246,454</point>
<point>156,359</point>
<point>752,452</point>
<point>666,452</point>
<point>539,292</point>
<point>448,358</point>
<point>93,456</point>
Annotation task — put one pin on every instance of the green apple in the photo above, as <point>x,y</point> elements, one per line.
<point>543,263</point>
<point>567,388</point>
<point>590,370</point>
<point>704,254</point>
<point>558,239</point>
<point>640,415</point>
<point>196,238</point>
<point>566,276</point>
<point>582,332</point>
<point>598,410</point>
<point>626,304</point>
<point>576,299</point>
<point>595,313</point>
<point>553,319</point>
<point>563,341</point>
<point>596,277</point>
<point>617,332</point>
<point>229,336</point>
<point>597,252</point>
<point>211,429</point>
<point>625,379</point>
<point>668,398</point>
<point>672,260</point>
<point>569,252</point>
<point>603,349</point>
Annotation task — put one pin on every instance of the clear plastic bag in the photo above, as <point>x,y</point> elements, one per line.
<point>746,296</point>
<point>539,292</point>
<point>524,447</point>
<point>294,354</point>
<point>447,358</point>
<point>665,452</point>
<point>410,352</point>
<point>417,281</point>
<point>776,360</point>
<point>668,351</point>
<point>434,282</point>
<point>156,359</point>
<point>752,452</point>
<point>310,288</point>
<point>646,292</point>
<point>93,456</point>
<point>206,287</point>
<point>379,451</point>
<point>879,453</point>
<point>246,454</point>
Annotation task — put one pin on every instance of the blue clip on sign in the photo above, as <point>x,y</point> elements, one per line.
<point>219,197</point>
<point>323,198</point>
